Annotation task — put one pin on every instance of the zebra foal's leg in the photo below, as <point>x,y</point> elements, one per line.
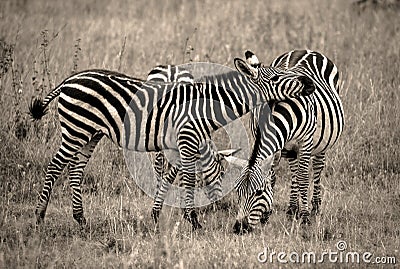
<point>76,168</point>
<point>189,179</point>
<point>188,149</point>
<point>318,164</point>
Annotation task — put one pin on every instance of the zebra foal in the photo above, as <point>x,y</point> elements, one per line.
<point>212,163</point>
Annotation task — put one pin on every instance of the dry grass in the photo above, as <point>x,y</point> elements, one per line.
<point>42,42</point>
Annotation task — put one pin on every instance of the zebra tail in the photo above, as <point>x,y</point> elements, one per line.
<point>39,107</point>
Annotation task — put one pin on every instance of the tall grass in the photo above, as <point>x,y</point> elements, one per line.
<point>42,42</point>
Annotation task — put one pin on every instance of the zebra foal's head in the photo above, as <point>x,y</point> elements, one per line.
<point>255,198</point>
<point>274,83</point>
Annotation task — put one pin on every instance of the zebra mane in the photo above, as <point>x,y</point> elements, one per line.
<point>228,75</point>
<point>212,72</point>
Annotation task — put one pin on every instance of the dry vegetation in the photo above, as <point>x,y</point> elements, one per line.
<point>42,42</point>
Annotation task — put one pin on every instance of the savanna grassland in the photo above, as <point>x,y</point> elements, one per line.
<point>42,42</point>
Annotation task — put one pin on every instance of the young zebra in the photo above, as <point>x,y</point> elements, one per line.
<point>212,164</point>
<point>303,128</point>
<point>147,117</point>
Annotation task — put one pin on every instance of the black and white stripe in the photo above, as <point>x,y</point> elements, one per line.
<point>211,165</point>
<point>210,169</point>
<point>149,117</point>
<point>303,128</point>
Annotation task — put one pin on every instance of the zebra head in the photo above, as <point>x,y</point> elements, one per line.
<point>274,83</point>
<point>255,198</point>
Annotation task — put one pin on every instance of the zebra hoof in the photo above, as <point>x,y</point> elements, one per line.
<point>265,217</point>
<point>155,215</point>
<point>315,211</point>
<point>39,217</point>
<point>305,219</point>
<point>196,226</point>
<point>292,213</point>
<point>192,218</point>
<point>242,227</point>
<point>80,219</point>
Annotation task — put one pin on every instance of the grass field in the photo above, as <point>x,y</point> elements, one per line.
<point>42,42</point>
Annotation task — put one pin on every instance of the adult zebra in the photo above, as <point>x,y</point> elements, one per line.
<point>159,74</point>
<point>149,117</point>
<point>303,128</point>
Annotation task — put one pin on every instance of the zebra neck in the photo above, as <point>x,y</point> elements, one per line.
<point>232,91</point>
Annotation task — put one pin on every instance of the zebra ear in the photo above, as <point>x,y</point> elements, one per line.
<point>228,152</point>
<point>246,69</point>
<point>309,86</point>
<point>236,161</point>
<point>252,59</point>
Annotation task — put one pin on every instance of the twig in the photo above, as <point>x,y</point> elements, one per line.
<point>121,54</point>
<point>188,49</point>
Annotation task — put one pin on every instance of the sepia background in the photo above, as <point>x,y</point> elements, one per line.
<point>43,42</point>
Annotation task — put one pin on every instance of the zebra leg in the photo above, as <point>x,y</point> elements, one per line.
<point>266,214</point>
<point>213,189</point>
<point>294,190</point>
<point>189,178</point>
<point>76,168</point>
<point>212,166</point>
<point>318,164</point>
<point>160,169</point>
<point>273,178</point>
<point>63,156</point>
<point>188,149</point>
<point>161,166</point>
<point>162,192</point>
<point>302,177</point>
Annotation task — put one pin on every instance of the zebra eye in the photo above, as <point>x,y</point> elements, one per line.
<point>259,192</point>
<point>275,78</point>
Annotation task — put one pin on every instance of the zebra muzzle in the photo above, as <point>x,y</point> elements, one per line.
<point>242,226</point>
<point>236,161</point>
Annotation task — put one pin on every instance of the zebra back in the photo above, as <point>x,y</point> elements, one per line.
<point>170,73</point>
<point>311,63</point>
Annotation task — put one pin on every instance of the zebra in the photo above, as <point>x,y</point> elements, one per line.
<point>212,163</point>
<point>303,128</point>
<point>146,117</point>
<point>157,74</point>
